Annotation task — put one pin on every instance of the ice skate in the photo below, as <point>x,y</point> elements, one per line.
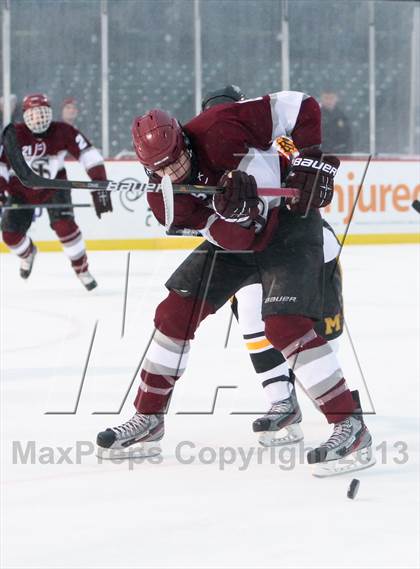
<point>138,437</point>
<point>281,425</point>
<point>26,264</point>
<point>87,280</point>
<point>348,449</point>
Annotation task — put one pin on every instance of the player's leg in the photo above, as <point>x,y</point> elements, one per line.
<point>14,225</point>
<point>281,424</point>
<point>270,365</point>
<point>68,232</point>
<point>277,379</point>
<point>176,320</point>
<point>292,301</point>
<point>330,326</point>
<point>200,286</point>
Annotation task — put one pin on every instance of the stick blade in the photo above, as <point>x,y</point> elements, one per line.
<point>14,155</point>
<point>29,178</point>
<point>416,205</point>
<point>168,201</point>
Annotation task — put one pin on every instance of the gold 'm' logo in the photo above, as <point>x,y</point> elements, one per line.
<point>332,323</point>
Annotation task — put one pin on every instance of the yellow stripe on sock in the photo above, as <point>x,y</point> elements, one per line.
<point>258,345</point>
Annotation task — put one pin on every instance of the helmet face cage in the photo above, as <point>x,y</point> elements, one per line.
<point>174,154</point>
<point>38,119</point>
<point>177,170</point>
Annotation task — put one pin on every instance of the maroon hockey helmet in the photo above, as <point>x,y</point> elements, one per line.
<point>37,112</point>
<point>35,100</point>
<point>157,139</point>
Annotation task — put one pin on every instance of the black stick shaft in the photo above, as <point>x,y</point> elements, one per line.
<point>31,180</point>
<point>44,206</point>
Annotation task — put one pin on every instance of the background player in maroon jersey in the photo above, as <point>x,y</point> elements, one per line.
<point>45,144</point>
<point>231,145</point>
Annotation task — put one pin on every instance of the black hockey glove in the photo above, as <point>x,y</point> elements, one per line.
<point>239,202</point>
<point>101,201</point>
<point>313,174</point>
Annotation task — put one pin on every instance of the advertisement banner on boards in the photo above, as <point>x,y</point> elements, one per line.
<point>382,210</point>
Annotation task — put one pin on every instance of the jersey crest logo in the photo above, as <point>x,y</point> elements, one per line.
<point>285,146</point>
<point>32,152</point>
<point>201,178</point>
<point>41,166</point>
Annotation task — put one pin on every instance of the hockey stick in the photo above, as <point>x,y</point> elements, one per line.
<point>18,206</point>
<point>416,205</point>
<point>183,232</point>
<point>168,201</point>
<point>31,180</point>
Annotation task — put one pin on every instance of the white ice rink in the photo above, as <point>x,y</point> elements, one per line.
<point>272,513</point>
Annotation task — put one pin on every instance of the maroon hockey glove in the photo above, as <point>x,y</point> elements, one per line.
<point>102,202</point>
<point>239,201</point>
<point>313,174</point>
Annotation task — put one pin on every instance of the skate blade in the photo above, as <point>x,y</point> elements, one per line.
<point>286,436</point>
<point>90,286</point>
<point>137,450</point>
<point>358,460</point>
<point>25,273</point>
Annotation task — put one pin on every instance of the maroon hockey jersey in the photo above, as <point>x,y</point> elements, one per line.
<point>45,154</point>
<point>242,136</point>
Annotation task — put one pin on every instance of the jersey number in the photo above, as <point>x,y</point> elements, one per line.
<point>81,142</point>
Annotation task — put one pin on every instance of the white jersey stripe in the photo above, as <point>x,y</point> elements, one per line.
<point>331,245</point>
<point>91,157</point>
<point>4,172</point>
<point>285,106</point>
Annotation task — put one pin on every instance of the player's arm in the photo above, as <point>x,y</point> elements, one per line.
<point>298,115</point>
<point>256,123</point>
<point>311,172</point>
<point>238,214</point>
<point>92,161</point>
<point>189,212</point>
<point>192,213</point>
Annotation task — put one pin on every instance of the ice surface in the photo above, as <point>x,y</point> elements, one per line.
<point>197,515</point>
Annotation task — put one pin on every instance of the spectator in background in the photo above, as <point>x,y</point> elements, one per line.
<point>69,110</point>
<point>336,131</point>
<point>14,111</point>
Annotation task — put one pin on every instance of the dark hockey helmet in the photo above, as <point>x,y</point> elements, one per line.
<point>229,94</point>
<point>37,112</point>
<point>158,139</point>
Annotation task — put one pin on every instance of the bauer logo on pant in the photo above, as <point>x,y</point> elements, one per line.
<point>281,299</point>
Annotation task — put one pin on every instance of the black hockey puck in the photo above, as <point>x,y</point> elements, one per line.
<point>416,205</point>
<point>353,489</point>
